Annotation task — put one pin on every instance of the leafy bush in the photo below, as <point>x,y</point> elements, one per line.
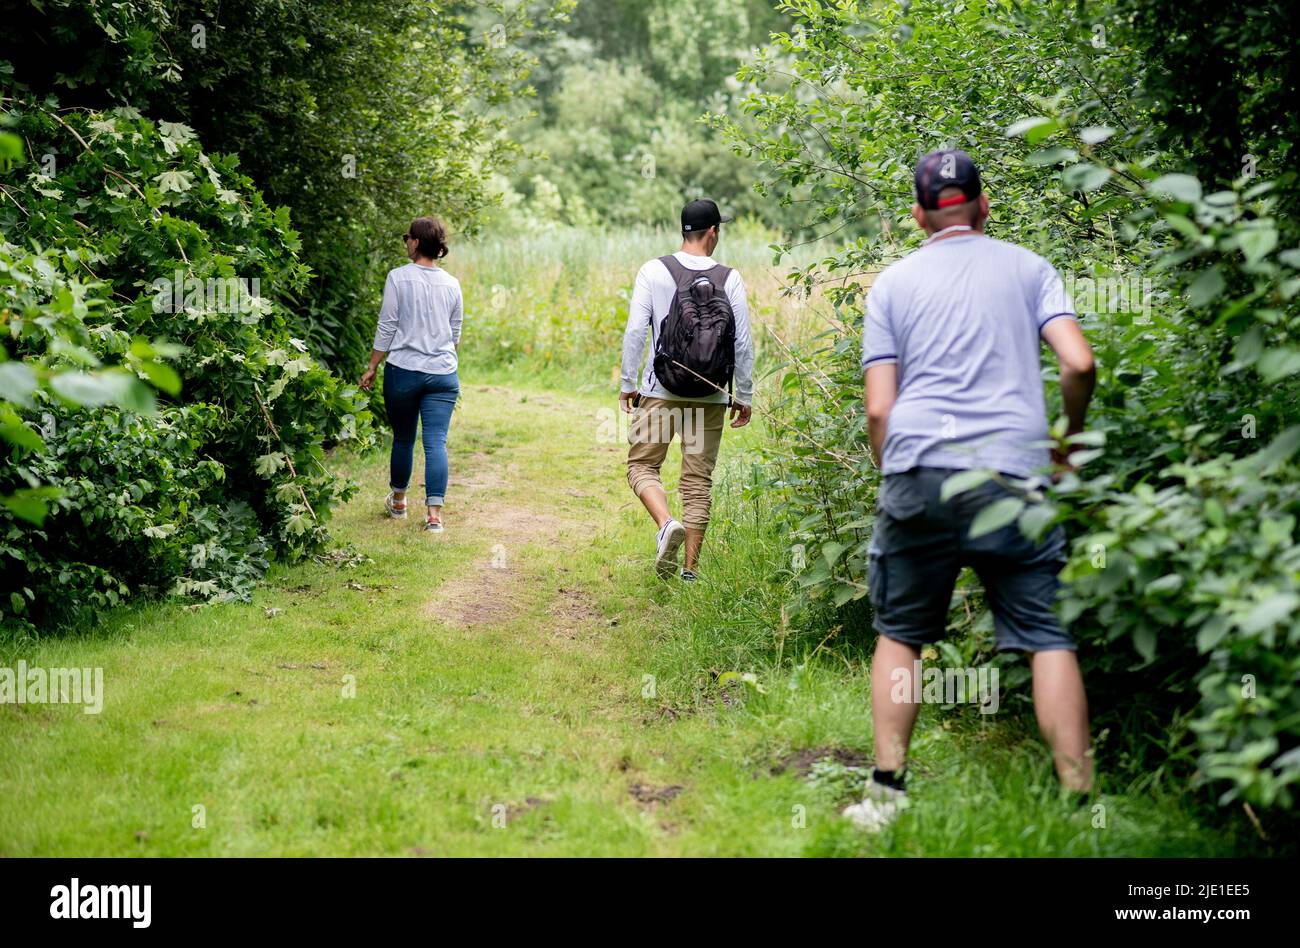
<point>1182,517</point>
<point>192,494</point>
<point>1200,574</point>
<point>46,313</point>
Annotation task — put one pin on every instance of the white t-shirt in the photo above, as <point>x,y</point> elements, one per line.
<point>652,297</point>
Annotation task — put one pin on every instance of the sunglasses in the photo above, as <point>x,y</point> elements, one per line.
<point>407,237</point>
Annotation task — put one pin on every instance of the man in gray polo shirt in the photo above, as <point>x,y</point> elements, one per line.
<point>950,357</point>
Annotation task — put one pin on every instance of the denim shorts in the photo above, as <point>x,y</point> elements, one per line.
<point>921,543</point>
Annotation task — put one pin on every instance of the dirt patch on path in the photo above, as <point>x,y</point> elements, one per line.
<point>649,795</point>
<point>491,590</point>
<point>503,581</point>
<point>801,762</point>
<point>574,611</point>
<point>488,599</point>
<point>475,474</point>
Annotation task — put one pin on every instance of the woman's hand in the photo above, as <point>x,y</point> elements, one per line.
<point>367,379</point>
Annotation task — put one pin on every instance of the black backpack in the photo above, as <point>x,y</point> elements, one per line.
<point>697,343</point>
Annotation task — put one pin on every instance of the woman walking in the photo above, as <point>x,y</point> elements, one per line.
<point>419,332</point>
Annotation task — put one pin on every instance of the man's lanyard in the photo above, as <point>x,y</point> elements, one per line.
<point>940,234</point>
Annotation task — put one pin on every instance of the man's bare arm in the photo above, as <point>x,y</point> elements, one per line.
<point>1078,371</point>
<point>879,392</point>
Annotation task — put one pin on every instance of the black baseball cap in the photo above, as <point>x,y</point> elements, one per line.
<point>946,168</point>
<point>701,215</point>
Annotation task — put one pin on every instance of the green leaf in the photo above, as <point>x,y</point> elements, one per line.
<point>1185,227</point>
<point>95,389</point>
<point>268,464</point>
<point>1081,458</point>
<point>1085,177</point>
<point>1033,129</point>
<point>1036,519</point>
<point>11,147</point>
<point>832,551</point>
<point>135,395</point>
<point>17,433</point>
<point>1279,450</point>
<point>960,483</point>
<point>163,376</point>
<point>1052,156</point>
<point>1270,612</point>
<point>178,181</point>
<point>1095,134</point>
<point>17,382</point>
<point>996,516</point>
<point>1278,364</point>
<point>1212,633</point>
<point>844,592</point>
<point>1166,584</point>
<point>32,503</point>
<point>1206,287</point>
<point>1177,187</point>
<point>1144,640</point>
<point>816,573</point>
<point>86,388</point>
<point>1256,243</point>
<point>176,133</point>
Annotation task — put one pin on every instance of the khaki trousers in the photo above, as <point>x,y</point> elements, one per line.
<point>655,422</point>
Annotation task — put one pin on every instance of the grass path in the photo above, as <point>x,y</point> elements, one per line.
<point>514,686</point>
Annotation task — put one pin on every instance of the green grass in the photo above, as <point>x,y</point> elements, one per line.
<point>479,688</point>
<point>554,304</point>
<point>525,691</point>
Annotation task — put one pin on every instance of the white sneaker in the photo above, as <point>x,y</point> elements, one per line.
<point>395,509</point>
<point>879,808</point>
<point>668,542</point>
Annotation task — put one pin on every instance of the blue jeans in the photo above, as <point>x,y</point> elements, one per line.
<point>409,397</point>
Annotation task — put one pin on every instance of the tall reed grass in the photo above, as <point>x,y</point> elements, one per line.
<point>559,299</point>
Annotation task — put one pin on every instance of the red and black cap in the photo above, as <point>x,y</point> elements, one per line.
<point>701,215</point>
<point>946,168</point>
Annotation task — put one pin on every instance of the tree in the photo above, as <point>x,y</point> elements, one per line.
<point>356,115</point>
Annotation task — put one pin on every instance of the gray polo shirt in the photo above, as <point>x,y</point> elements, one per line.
<point>962,317</point>
<point>419,321</point>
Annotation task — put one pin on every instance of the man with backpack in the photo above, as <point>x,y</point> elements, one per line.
<point>696,317</point>
<point>950,355</point>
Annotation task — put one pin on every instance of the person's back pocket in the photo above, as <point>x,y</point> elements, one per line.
<point>902,497</point>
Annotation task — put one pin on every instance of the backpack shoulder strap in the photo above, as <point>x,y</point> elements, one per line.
<point>681,276</point>
<point>718,275</point>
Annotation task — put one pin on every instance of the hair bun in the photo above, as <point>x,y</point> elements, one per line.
<point>431,235</point>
